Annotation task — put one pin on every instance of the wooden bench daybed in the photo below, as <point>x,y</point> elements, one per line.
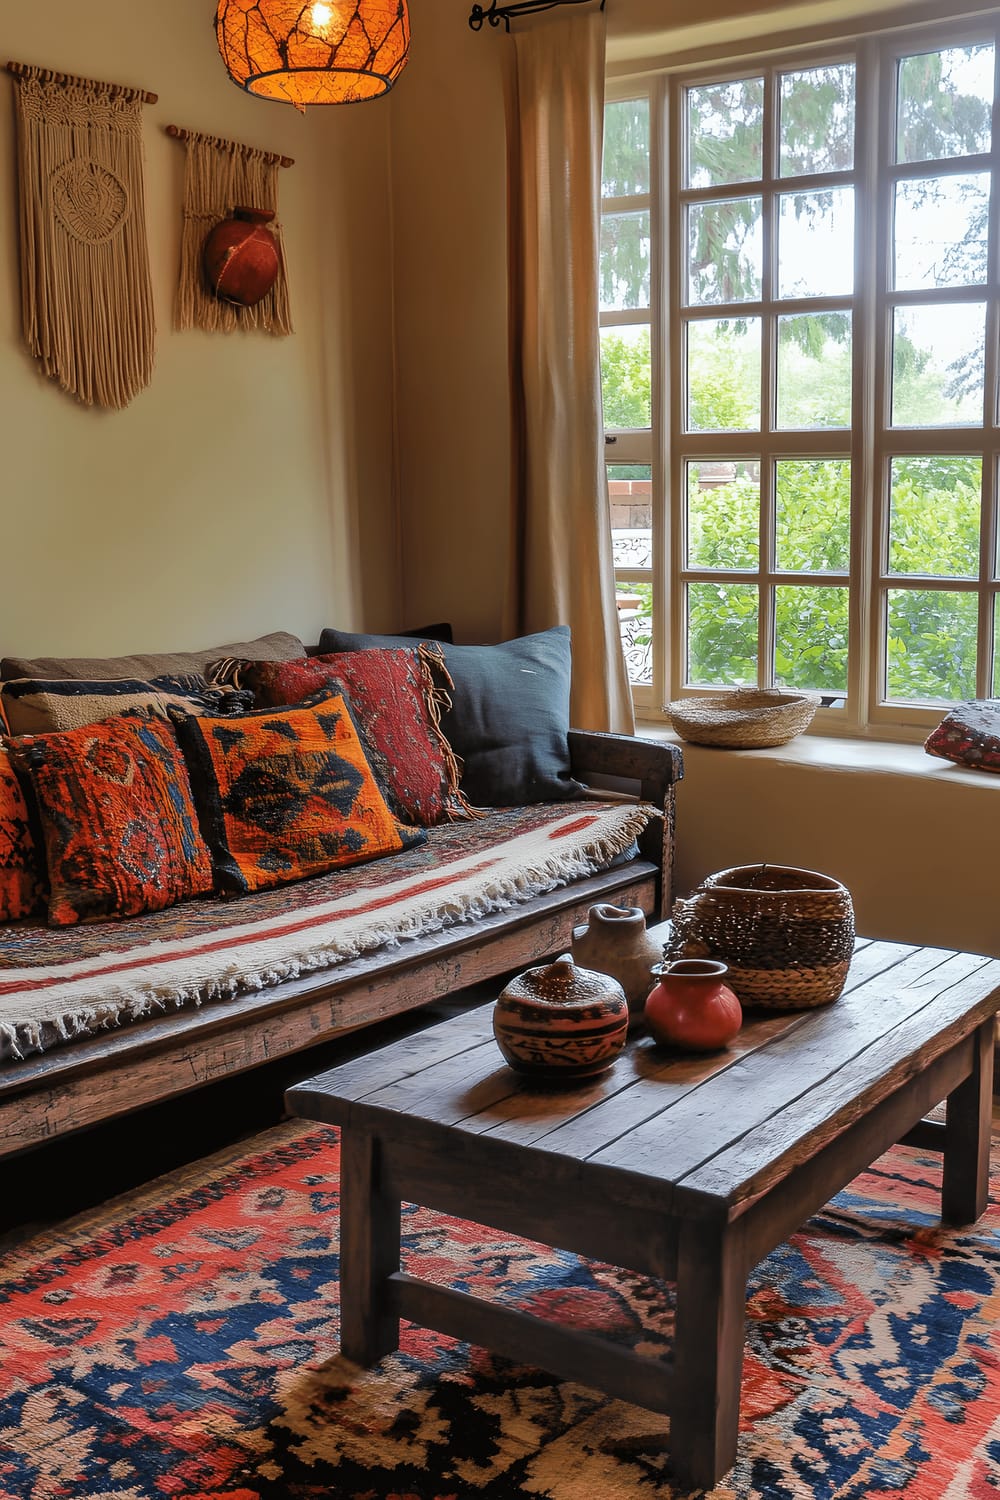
<point>106,1076</point>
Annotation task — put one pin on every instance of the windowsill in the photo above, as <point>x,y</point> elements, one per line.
<point>871,757</point>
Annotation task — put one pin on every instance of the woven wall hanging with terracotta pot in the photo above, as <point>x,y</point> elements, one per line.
<point>232,256</point>
<point>86,296</point>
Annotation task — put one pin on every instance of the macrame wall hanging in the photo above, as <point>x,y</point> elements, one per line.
<point>220,177</point>
<point>87,304</point>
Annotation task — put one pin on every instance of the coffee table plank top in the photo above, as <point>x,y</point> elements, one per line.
<point>664,1126</point>
<point>828,1042</point>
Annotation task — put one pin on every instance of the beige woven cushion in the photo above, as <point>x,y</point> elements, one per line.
<point>279,646</point>
<point>31,705</point>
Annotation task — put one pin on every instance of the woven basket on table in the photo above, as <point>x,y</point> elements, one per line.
<point>744,719</point>
<point>786,934</point>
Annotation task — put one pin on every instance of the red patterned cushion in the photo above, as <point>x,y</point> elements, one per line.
<point>969,735</point>
<point>22,883</point>
<point>397,709</point>
<point>120,828</point>
<point>286,793</point>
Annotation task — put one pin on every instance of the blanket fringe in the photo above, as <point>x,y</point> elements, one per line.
<point>433,670</point>
<point>535,879</point>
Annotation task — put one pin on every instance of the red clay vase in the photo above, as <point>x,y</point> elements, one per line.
<point>558,1023</point>
<point>691,1007</point>
<point>240,256</point>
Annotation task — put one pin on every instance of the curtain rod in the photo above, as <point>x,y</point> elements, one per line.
<point>49,75</point>
<point>506,13</point>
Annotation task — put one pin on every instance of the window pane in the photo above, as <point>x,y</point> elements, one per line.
<point>626,376</point>
<point>725,133</point>
<point>814,370</point>
<point>816,243</point>
<point>931,645</point>
<point>626,148</point>
<point>937,365</point>
<point>810,638</point>
<point>944,103</point>
<point>721,634</point>
<point>635,621</point>
<point>725,251</point>
<point>723,515</point>
<point>630,489</point>
<point>817,120</point>
<point>996,649</point>
<point>942,230</point>
<point>624,261</point>
<point>723,375</point>
<point>813,518</point>
<point>934,508</point>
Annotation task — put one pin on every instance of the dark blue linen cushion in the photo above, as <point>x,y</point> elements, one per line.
<point>509,720</point>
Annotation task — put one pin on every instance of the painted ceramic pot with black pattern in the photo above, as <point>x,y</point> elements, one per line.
<point>559,1023</point>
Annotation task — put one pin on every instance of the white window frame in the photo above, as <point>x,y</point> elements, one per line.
<point>870,442</point>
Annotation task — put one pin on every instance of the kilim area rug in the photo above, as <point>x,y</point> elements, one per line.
<point>182,1342</point>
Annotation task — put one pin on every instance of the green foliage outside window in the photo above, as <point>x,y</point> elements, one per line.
<point>934,529</point>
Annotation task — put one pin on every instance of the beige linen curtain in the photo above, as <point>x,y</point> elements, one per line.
<point>562,564</point>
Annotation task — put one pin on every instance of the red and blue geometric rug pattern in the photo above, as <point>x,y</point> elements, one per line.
<point>181,1343</point>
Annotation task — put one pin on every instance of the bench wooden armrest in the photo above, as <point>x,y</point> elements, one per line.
<point>646,768</point>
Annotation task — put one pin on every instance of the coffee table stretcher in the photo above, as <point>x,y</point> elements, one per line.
<point>691,1232</point>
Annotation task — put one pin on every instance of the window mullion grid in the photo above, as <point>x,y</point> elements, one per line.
<point>661,388</point>
<point>769,384</point>
<point>986,644</point>
<point>870,394</point>
<point>897,442</point>
<point>674,266</point>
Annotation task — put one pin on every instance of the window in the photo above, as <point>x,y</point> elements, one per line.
<point>800,327</point>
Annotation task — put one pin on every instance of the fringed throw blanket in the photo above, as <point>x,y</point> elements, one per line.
<point>221,175</point>
<point>87,303</point>
<point>56,984</point>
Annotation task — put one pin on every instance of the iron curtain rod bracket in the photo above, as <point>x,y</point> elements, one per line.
<point>495,13</point>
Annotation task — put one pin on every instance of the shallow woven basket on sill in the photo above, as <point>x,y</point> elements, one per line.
<point>786,934</point>
<point>744,719</point>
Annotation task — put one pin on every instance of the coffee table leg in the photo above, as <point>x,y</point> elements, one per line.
<point>708,1352</point>
<point>965,1190</point>
<point>369,1251</point>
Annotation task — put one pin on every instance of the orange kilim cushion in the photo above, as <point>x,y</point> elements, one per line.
<point>22,868</point>
<point>120,828</point>
<point>286,793</point>
<point>396,697</point>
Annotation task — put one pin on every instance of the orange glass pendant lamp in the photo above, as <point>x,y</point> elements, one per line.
<point>330,52</point>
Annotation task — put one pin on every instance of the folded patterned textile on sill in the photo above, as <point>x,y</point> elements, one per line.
<point>58,985</point>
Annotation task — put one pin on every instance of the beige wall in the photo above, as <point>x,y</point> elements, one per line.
<point>235,494</point>
<point>450,212</point>
<point>905,833</point>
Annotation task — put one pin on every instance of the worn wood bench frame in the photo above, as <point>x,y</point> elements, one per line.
<point>105,1077</point>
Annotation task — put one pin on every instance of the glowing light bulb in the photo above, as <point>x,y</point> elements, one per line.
<point>322,15</point>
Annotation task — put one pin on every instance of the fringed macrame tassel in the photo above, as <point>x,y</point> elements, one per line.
<point>87,302</point>
<point>218,177</point>
<point>434,673</point>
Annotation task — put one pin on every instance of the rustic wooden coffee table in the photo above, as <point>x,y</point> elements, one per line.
<point>685,1168</point>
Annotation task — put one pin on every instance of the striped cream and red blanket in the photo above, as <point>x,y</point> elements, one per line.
<point>57,984</point>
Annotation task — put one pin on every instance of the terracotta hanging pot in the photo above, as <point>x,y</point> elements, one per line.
<point>241,258</point>
<point>559,1023</point>
<point>691,1007</point>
